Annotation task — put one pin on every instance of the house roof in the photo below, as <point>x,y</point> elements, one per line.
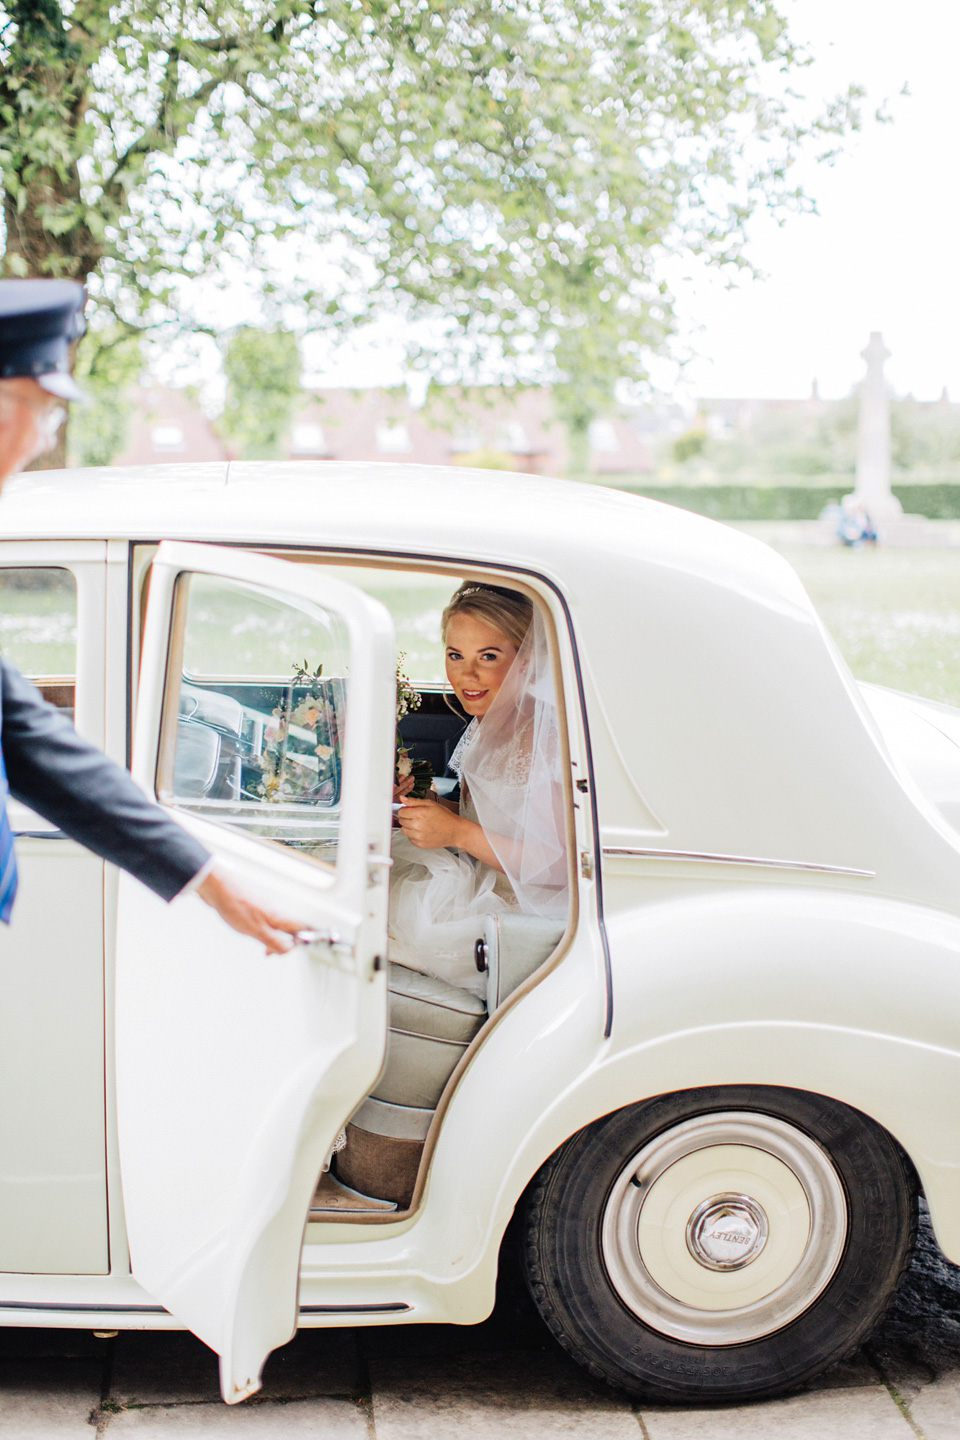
<point>342,424</point>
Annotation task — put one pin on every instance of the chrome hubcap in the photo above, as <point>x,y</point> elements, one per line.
<point>727,1232</point>
<point>724,1228</point>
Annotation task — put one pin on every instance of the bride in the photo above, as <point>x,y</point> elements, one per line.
<point>502,848</point>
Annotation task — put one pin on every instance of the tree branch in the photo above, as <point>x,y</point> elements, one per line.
<point>160,130</point>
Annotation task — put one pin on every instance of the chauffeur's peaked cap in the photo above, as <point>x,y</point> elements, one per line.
<point>38,320</point>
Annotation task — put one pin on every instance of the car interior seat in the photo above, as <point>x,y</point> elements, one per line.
<point>431,1024</point>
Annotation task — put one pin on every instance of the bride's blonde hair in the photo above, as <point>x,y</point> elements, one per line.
<point>508,611</point>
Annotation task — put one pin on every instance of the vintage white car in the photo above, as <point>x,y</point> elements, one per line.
<point>711,1097</point>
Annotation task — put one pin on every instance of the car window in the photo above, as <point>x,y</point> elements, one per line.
<point>38,628</point>
<point>415,600</point>
<point>256,716</point>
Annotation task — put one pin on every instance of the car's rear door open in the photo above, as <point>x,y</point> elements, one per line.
<point>265,723</point>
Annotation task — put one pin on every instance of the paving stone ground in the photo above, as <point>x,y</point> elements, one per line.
<point>503,1380</point>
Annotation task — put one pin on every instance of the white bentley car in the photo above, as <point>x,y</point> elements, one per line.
<point>710,1096</point>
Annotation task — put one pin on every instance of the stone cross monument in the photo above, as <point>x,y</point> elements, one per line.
<point>873,438</point>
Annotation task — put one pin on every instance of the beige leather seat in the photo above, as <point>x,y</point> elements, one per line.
<point>431,1025</point>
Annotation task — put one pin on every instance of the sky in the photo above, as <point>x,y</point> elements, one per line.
<point>883,253</point>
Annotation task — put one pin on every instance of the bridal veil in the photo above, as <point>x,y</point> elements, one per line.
<point>510,768</point>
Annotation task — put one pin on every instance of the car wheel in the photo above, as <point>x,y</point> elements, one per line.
<point>719,1244</point>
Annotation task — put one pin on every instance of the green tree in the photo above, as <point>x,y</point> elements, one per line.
<point>486,458</point>
<point>263,380</point>
<point>690,444</point>
<point>108,365</point>
<point>513,171</point>
<point>925,437</point>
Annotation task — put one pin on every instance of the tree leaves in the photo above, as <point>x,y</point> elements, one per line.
<point>513,172</point>
<point>263,379</point>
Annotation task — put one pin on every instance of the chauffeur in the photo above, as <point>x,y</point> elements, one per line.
<point>43,761</point>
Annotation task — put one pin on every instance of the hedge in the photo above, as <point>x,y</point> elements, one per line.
<point>793,502</point>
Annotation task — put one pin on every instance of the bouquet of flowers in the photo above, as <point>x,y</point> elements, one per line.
<point>285,775</point>
<point>409,699</point>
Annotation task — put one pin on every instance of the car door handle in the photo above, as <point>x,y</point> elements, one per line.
<point>330,938</point>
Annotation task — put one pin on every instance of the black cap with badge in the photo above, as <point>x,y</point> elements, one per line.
<point>38,321</point>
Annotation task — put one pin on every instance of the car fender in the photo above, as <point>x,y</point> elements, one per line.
<point>849,996</point>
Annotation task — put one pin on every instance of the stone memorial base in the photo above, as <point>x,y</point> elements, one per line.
<point>909,530</point>
<point>896,532</point>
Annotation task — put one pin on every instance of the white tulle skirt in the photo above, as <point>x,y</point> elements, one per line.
<point>438,899</point>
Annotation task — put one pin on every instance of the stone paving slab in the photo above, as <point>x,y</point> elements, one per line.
<point>843,1414</point>
<point>504,1378</point>
<point>917,1348</point>
<point>162,1367</point>
<point>175,1367</point>
<point>320,1419</point>
<point>936,1409</point>
<point>48,1399</point>
<point>488,1396</point>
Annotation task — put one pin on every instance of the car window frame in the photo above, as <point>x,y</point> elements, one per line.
<point>584,851</point>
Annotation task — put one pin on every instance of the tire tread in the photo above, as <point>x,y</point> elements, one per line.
<point>542,1224</point>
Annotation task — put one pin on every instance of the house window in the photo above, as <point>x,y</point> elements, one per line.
<point>393,439</point>
<point>308,439</point>
<point>167,437</point>
<point>513,439</point>
<point>465,440</point>
<point>603,436</point>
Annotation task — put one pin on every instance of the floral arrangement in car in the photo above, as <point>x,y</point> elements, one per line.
<point>409,699</point>
<point>300,760</point>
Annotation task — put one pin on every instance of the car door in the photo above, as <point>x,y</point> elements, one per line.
<point>53,1193</point>
<point>236,1070</point>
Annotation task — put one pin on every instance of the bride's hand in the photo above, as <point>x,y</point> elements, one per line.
<point>428,825</point>
<point>402,789</point>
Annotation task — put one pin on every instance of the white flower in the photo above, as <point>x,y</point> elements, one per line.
<point>404,765</point>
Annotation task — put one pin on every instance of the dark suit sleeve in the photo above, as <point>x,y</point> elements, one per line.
<point>93,800</point>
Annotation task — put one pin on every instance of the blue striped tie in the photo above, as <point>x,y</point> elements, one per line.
<point>8,859</point>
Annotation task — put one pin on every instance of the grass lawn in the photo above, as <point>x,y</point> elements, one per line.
<point>38,620</point>
<point>895,614</point>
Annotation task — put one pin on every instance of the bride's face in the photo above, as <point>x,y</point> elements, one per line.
<point>478,658</point>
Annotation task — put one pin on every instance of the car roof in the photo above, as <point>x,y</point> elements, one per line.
<point>723,720</point>
<point>560,528</point>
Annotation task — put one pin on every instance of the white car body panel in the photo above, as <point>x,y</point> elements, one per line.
<point>924,738</point>
<point>53,1210</point>
<point>779,880</point>
<point>262,1059</point>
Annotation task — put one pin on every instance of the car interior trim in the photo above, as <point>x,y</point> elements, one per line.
<point>629,852</point>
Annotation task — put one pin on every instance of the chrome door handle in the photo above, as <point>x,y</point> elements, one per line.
<point>330,938</point>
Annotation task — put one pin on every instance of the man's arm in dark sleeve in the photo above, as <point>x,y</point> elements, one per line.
<point>93,800</point>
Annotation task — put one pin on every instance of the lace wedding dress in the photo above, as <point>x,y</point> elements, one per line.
<point>511,784</point>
